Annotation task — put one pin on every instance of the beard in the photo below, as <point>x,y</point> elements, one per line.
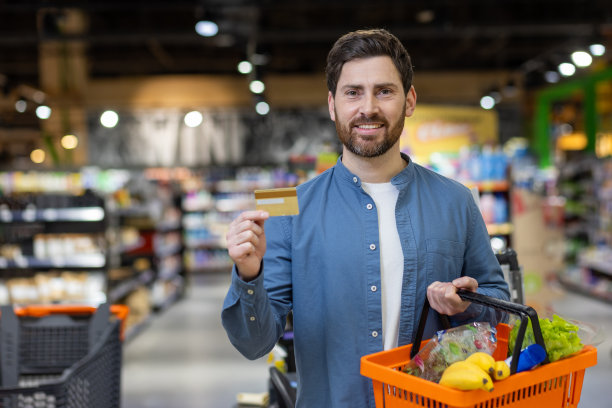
<point>352,142</point>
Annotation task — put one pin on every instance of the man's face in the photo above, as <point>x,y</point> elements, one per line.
<point>370,106</point>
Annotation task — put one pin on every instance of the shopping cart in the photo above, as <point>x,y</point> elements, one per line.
<point>60,356</point>
<point>513,274</point>
<point>556,384</point>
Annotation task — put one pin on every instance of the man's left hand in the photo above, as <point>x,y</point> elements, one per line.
<point>443,295</point>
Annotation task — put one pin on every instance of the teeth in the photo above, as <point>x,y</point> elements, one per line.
<point>369,126</point>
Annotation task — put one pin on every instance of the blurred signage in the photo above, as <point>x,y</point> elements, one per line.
<point>445,129</point>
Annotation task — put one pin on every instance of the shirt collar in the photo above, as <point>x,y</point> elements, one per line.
<point>403,177</point>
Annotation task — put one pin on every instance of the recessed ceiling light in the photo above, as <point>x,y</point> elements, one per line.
<point>207,28</point>
<point>582,59</point>
<point>597,49</point>
<point>567,69</point>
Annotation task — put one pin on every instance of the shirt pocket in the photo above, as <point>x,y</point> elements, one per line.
<point>444,260</point>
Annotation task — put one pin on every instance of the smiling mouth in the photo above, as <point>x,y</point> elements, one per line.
<point>369,126</point>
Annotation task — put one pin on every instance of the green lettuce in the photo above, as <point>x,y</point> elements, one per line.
<point>560,337</point>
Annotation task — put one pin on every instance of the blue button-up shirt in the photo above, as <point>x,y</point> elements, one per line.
<point>324,264</point>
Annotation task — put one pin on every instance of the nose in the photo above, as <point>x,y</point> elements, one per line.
<point>369,107</point>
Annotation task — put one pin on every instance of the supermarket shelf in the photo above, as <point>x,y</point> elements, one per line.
<point>500,229</point>
<point>76,214</point>
<point>598,266</point>
<point>163,251</point>
<point>169,273</point>
<point>136,329</point>
<point>122,248</point>
<point>168,226</point>
<point>585,290</point>
<point>128,286</point>
<point>489,185</point>
<point>210,268</point>
<point>213,243</point>
<point>74,261</point>
<point>171,298</point>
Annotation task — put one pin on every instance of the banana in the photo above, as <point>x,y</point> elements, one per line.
<point>463,375</point>
<point>483,360</point>
<point>502,371</point>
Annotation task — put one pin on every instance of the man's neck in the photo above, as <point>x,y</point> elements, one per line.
<point>380,169</point>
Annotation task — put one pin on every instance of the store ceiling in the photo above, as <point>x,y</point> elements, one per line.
<point>157,37</point>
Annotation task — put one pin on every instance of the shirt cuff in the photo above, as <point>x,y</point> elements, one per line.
<point>249,292</point>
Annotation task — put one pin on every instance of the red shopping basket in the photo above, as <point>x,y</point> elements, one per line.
<point>552,385</point>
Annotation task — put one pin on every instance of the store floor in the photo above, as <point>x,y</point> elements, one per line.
<point>183,358</point>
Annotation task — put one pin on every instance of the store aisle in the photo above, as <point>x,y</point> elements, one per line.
<point>184,359</point>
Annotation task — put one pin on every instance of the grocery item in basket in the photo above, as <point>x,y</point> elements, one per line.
<point>485,361</point>
<point>530,357</point>
<point>502,370</point>
<point>464,375</point>
<point>560,337</point>
<point>449,346</point>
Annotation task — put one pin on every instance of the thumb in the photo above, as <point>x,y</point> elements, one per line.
<point>465,282</point>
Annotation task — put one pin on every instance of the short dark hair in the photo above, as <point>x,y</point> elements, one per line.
<point>364,44</point>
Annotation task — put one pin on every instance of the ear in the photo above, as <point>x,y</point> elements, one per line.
<point>411,98</point>
<point>331,105</point>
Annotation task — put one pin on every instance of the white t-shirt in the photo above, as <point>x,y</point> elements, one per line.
<point>391,259</point>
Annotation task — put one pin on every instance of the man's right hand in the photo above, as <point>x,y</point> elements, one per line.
<point>246,242</point>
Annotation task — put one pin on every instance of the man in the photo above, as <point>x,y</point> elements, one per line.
<point>375,235</point>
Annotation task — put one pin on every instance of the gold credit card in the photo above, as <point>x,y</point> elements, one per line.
<point>277,201</point>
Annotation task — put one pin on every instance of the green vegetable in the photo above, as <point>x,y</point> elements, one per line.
<point>560,337</point>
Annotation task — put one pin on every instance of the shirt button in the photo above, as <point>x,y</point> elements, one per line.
<point>369,206</point>
<point>374,333</point>
<point>373,288</point>
<point>372,247</point>
<point>250,291</point>
<point>354,179</point>
<point>252,318</point>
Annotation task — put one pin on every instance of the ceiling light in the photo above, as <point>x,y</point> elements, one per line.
<point>582,59</point>
<point>38,96</point>
<point>262,108</point>
<point>43,112</point>
<point>109,119</point>
<point>69,142</point>
<point>257,86</point>
<point>207,28</point>
<point>245,67</point>
<point>487,102</point>
<point>193,119</point>
<point>37,156</point>
<point>567,69</point>
<point>21,106</point>
<point>552,77</point>
<point>425,16</point>
<point>597,49</point>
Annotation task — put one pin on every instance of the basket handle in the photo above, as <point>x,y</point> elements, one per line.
<point>524,312</point>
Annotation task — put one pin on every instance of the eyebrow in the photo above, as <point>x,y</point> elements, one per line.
<point>381,85</point>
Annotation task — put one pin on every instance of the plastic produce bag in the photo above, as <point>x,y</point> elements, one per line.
<point>449,346</point>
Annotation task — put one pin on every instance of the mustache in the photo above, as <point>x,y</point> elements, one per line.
<point>367,121</point>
